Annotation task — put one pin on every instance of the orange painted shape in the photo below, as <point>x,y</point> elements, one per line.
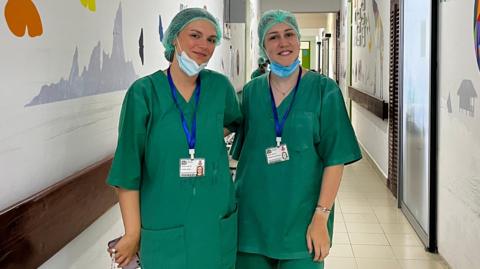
<point>478,9</point>
<point>23,15</point>
<point>90,4</point>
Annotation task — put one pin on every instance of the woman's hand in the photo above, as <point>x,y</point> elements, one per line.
<point>318,239</point>
<point>125,250</point>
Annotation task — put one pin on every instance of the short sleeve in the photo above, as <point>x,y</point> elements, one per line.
<point>232,116</point>
<point>337,144</point>
<point>126,170</point>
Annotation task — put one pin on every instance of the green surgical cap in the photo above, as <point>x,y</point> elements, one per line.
<point>182,19</point>
<point>268,20</point>
<point>261,61</point>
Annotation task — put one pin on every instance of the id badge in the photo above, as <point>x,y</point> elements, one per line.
<point>277,154</point>
<point>192,167</point>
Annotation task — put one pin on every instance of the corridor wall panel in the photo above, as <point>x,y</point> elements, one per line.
<point>369,72</point>
<point>459,134</point>
<point>64,79</point>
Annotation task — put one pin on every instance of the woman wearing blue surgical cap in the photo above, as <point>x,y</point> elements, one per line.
<point>172,126</point>
<point>295,140</point>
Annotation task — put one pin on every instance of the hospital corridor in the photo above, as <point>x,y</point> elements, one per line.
<point>239,134</point>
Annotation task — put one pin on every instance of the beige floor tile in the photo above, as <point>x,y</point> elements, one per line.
<point>377,264</point>
<point>344,251</point>
<point>382,202</point>
<point>381,195</point>
<point>395,228</point>
<point>413,253</point>
<point>338,217</point>
<point>356,209</point>
<point>373,252</point>
<point>340,263</point>
<point>341,239</point>
<point>404,240</point>
<point>379,210</point>
<point>391,217</point>
<point>339,227</point>
<point>346,194</point>
<point>354,201</point>
<point>422,264</point>
<point>360,217</point>
<point>368,239</point>
<point>364,228</point>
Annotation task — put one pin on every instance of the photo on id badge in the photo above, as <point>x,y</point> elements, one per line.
<point>200,169</point>
<point>284,152</point>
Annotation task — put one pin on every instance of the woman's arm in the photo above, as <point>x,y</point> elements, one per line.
<point>317,234</point>
<point>128,246</point>
<point>130,208</point>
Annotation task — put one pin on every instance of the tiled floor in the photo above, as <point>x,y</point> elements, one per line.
<point>370,231</point>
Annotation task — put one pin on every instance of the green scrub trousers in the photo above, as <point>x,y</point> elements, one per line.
<point>277,201</point>
<point>186,223</point>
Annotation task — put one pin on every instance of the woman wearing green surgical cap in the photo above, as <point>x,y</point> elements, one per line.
<point>171,127</point>
<point>293,145</point>
<point>262,68</point>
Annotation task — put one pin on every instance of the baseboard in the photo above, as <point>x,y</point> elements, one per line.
<point>373,163</point>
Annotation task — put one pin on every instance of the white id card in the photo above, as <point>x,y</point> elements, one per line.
<point>277,154</point>
<point>192,167</point>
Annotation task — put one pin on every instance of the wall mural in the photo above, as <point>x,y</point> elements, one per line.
<point>160,27</point>
<point>62,90</point>
<point>141,47</point>
<point>459,132</point>
<point>467,95</point>
<point>89,4</point>
<point>105,73</point>
<point>476,30</point>
<point>343,48</point>
<point>21,16</point>
<point>362,23</point>
<point>368,51</point>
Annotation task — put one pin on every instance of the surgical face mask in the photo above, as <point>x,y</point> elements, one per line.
<point>283,71</point>
<point>188,65</point>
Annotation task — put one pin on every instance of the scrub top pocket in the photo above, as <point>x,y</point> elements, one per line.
<point>163,249</point>
<point>300,133</point>
<point>228,237</point>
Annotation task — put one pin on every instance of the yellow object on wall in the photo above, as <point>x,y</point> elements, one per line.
<point>90,4</point>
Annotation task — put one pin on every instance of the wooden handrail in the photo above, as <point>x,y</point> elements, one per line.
<point>36,228</point>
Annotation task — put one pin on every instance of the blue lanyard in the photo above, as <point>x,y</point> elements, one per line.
<point>279,125</point>
<point>191,136</point>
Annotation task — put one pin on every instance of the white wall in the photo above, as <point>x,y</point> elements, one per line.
<point>311,20</point>
<point>331,18</point>
<point>301,5</point>
<point>89,249</point>
<point>251,45</point>
<point>370,63</point>
<point>42,144</point>
<point>344,72</point>
<point>459,138</point>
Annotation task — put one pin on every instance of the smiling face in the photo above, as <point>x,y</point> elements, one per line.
<point>282,44</point>
<point>197,39</point>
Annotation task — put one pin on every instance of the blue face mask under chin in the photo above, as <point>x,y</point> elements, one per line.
<point>188,65</point>
<point>283,71</point>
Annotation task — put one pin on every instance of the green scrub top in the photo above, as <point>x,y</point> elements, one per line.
<point>277,201</point>
<point>185,222</point>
